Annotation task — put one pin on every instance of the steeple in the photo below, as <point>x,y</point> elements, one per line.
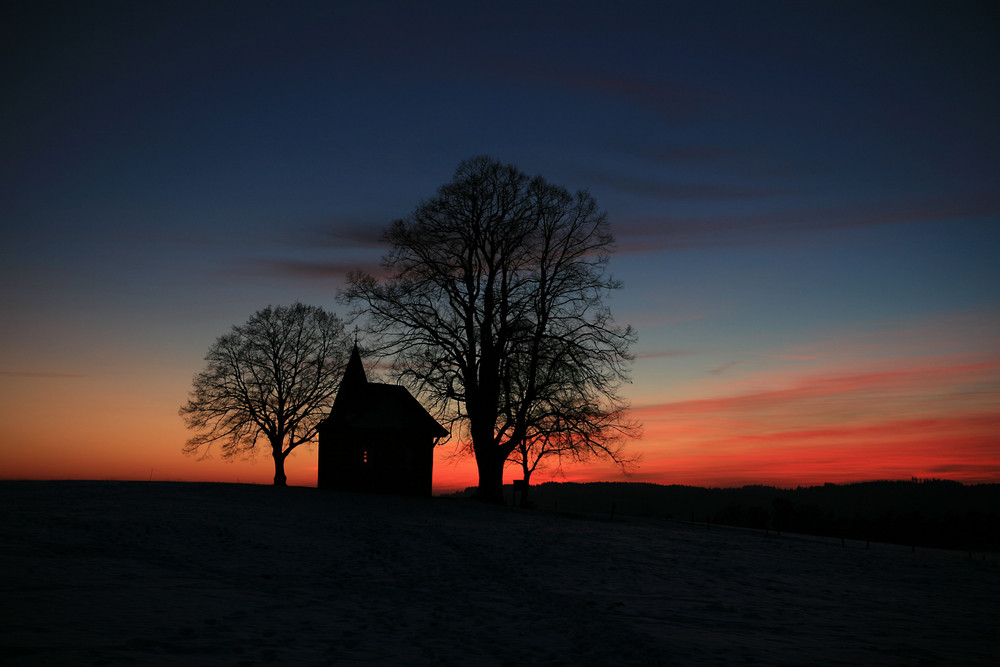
<point>355,371</point>
<point>354,380</point>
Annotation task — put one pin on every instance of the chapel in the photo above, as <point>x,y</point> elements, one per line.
<point>378,438</point>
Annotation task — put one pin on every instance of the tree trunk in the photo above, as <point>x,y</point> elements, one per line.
<point>526,473</point>
<point>523,500</point>
<point>490,489</point>
<point>279,468</point>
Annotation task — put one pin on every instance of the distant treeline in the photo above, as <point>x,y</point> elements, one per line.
<point>932,513</point>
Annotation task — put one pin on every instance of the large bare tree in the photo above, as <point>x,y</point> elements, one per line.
<point>494,288</point>
<point>268,382</point>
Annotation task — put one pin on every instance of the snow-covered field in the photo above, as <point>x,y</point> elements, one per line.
<point>109,573</point>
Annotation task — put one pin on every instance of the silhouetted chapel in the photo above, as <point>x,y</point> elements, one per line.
<point>377,438</point>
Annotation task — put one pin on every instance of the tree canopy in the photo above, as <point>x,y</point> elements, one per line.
<point>267,382</point>
<point>493,308</point>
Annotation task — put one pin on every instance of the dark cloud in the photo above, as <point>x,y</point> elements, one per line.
<point>310,271</point>
<point>686,192</point>
<point>678,154</point>
<point>345,234</point>
<point>744,161</point>
<point>723,368</point>
<point>676,101</point>
<point>780,225</point>
<point>665,354</point>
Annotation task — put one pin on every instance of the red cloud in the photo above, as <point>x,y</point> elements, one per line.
<point>890,424</point>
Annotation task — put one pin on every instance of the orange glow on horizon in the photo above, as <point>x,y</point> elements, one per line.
<point>937,418</point>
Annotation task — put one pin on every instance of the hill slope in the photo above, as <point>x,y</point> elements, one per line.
<point>149,573</point>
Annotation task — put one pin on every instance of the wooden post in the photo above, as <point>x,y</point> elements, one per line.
<point>519,485</point>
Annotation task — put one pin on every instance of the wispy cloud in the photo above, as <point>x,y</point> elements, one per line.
<point>311,271</point>
<point>921,420</point>
<point>780,225</point>
<point>723,368</point>
<point>41,374</point>
<point>970,457</point>
<point>896,388</point>
<point>975,332</point>
<point>336,234</point>
<point>659,94</point>
<point>667,354</point>
<point>738,161</point>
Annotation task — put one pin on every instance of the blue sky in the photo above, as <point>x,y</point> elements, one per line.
<point>799,190</point>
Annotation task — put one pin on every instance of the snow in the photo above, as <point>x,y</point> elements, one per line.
<point>114,573</point>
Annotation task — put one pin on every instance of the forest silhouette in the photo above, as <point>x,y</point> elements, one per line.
<point>925,513</point>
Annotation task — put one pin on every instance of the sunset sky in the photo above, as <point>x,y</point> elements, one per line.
<point>805,195</point>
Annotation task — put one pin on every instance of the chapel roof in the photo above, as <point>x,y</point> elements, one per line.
<point>376,406</point>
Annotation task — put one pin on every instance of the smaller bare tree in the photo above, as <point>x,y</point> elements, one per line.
<point>571,422</point>
<point>270,381</point>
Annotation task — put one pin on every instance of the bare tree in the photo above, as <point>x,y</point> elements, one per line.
<point>569,423</point>
<point>495,287</point>
<point>270,381</point>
